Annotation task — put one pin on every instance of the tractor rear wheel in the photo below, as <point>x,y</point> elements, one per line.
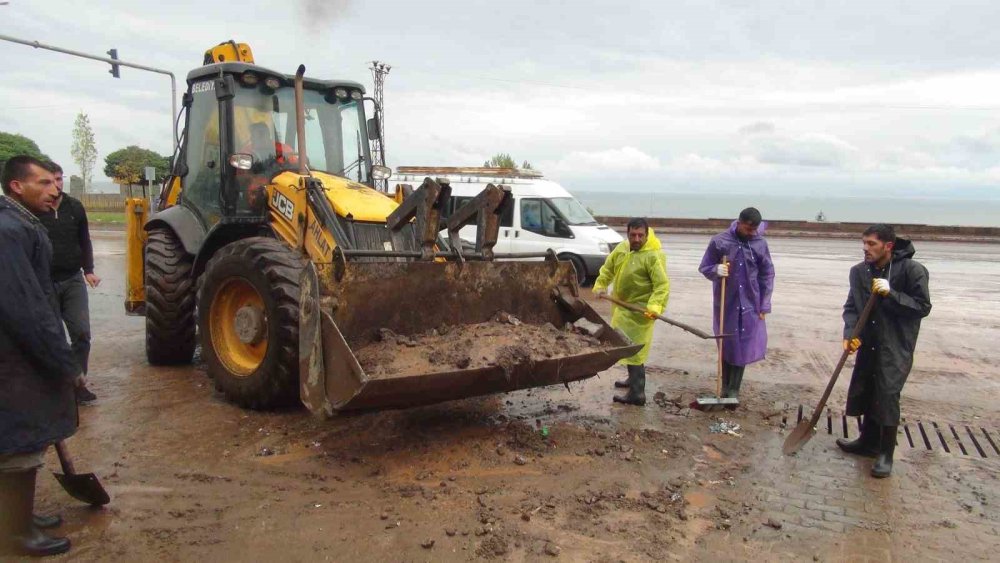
<point>248,317</point>
<point>170,300</point>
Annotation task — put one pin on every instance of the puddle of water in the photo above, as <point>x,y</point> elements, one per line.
<point>138,490</point>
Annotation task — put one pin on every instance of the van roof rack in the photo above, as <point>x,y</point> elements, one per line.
<point>468,171</point>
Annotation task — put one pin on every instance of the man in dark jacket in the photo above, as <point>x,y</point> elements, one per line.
<point>37,368</point>
<point>72,272</point>
<point>887,341</point>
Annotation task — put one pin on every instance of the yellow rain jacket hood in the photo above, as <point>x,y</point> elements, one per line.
<point>640,278</point>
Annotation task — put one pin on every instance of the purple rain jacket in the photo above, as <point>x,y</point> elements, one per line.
<point>748,293</point>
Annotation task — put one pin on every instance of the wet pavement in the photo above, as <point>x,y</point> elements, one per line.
<point>551,473</point>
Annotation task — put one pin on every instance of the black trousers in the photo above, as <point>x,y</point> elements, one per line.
<point>74,308</point>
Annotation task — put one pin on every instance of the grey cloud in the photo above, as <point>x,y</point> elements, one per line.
<point>758,128</point>
<point>819,151</point>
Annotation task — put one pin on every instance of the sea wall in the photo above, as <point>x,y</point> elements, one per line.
<point>818,229</point>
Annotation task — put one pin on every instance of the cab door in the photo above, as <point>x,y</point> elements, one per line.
<point>539,227</point>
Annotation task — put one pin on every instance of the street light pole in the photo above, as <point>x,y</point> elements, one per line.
<point>173,81</point>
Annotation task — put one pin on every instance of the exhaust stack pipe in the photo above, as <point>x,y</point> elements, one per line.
<point>300,120</point>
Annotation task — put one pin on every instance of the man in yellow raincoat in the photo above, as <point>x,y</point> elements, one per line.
<point>636,270</point>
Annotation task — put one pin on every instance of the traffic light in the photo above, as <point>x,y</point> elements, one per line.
<point>113,53</point>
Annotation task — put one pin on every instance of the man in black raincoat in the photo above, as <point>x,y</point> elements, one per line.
<point>37,369</point>
<point>887,341</point>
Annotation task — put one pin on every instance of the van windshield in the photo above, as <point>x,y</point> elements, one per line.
<point>573,211</point>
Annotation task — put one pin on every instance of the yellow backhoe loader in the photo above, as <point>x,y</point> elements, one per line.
<point>269,244</point>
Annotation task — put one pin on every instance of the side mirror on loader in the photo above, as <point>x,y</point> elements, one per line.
<point>373,129</point>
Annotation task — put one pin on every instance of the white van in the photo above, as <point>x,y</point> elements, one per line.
<point>544,214</point>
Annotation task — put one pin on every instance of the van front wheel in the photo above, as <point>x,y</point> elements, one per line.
<point>581,268</point>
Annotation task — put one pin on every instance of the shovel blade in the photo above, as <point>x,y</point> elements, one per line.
<point>84,487</point>
<point>798,438</point>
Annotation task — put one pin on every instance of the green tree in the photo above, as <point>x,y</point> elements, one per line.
<point>84,149</point>
<point>12,144</point>
<point>127,165</point>
<point>501,160</point>
<point>504,160</point>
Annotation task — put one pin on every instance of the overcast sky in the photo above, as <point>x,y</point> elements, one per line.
<point>893,97</point>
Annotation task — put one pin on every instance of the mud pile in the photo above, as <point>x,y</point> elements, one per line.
<point>503,341</point>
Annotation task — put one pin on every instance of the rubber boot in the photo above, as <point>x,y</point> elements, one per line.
<point>625,383</point>
<point>883,463</point>
<point>866,444</point>
<point>735,382</point>
<point>20,535</point>
<point>46,522</point>
<point>637,390</point>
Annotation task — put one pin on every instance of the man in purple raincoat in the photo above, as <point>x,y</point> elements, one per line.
<point>750,275</point>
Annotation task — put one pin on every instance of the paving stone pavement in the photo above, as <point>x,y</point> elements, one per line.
<point>936,506</point>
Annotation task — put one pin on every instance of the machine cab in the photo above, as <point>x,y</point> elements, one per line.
<point>241,133</point>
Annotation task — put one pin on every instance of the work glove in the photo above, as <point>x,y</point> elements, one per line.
<point>881,286</point>
<point>722,270</point>
<point>852,345</point>
<point>651,315</point>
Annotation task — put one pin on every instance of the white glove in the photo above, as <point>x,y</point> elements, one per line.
<point>722,270</point>
<point>881,286</point>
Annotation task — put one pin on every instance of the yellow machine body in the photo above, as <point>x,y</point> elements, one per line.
<point>294,270</point>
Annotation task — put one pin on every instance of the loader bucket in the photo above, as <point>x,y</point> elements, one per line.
<point>440,311</point>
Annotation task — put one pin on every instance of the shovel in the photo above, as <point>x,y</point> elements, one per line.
<point>695,331</point>
<point>805,430</point>
<point>84,487</point>
<point>712,403</point>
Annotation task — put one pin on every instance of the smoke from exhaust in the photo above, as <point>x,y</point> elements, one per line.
<point>323,11</point>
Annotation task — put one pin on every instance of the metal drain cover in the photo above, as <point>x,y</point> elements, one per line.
<point>958,439</point>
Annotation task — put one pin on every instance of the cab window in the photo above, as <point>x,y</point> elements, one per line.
<point>538,216</point>
<point>506,220</point>
<point>203,153</point>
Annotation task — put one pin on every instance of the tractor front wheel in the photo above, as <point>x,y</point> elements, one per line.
<point>248,311</point>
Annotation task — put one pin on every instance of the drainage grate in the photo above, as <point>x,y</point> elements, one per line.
<point>956,439</point>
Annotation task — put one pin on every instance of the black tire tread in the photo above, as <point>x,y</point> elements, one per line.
<point>170,300</point>
<point>282,267</point>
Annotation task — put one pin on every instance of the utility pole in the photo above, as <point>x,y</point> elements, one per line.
<point>379,70</point>
<point>115,64</point>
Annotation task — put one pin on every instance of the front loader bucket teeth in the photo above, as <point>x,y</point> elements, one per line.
<point>359,301</point>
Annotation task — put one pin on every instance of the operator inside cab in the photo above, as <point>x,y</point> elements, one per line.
<point>269,155</point>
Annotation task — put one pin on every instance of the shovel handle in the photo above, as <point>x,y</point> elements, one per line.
<point>64,460</point>
<point>856,332</point>
<point>683,326</point>
<point>722,327</point>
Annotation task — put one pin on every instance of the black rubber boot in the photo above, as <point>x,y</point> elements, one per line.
<point>883,463</point>
<point>866,444</point>
<point>46,522</point>
<point>637,390</point>
<point>20,535</point>
<point>84,396</point>
<point>624,383</point>
<point>735,382</point>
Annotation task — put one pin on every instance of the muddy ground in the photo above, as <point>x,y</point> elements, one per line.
<point>550,473</point>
